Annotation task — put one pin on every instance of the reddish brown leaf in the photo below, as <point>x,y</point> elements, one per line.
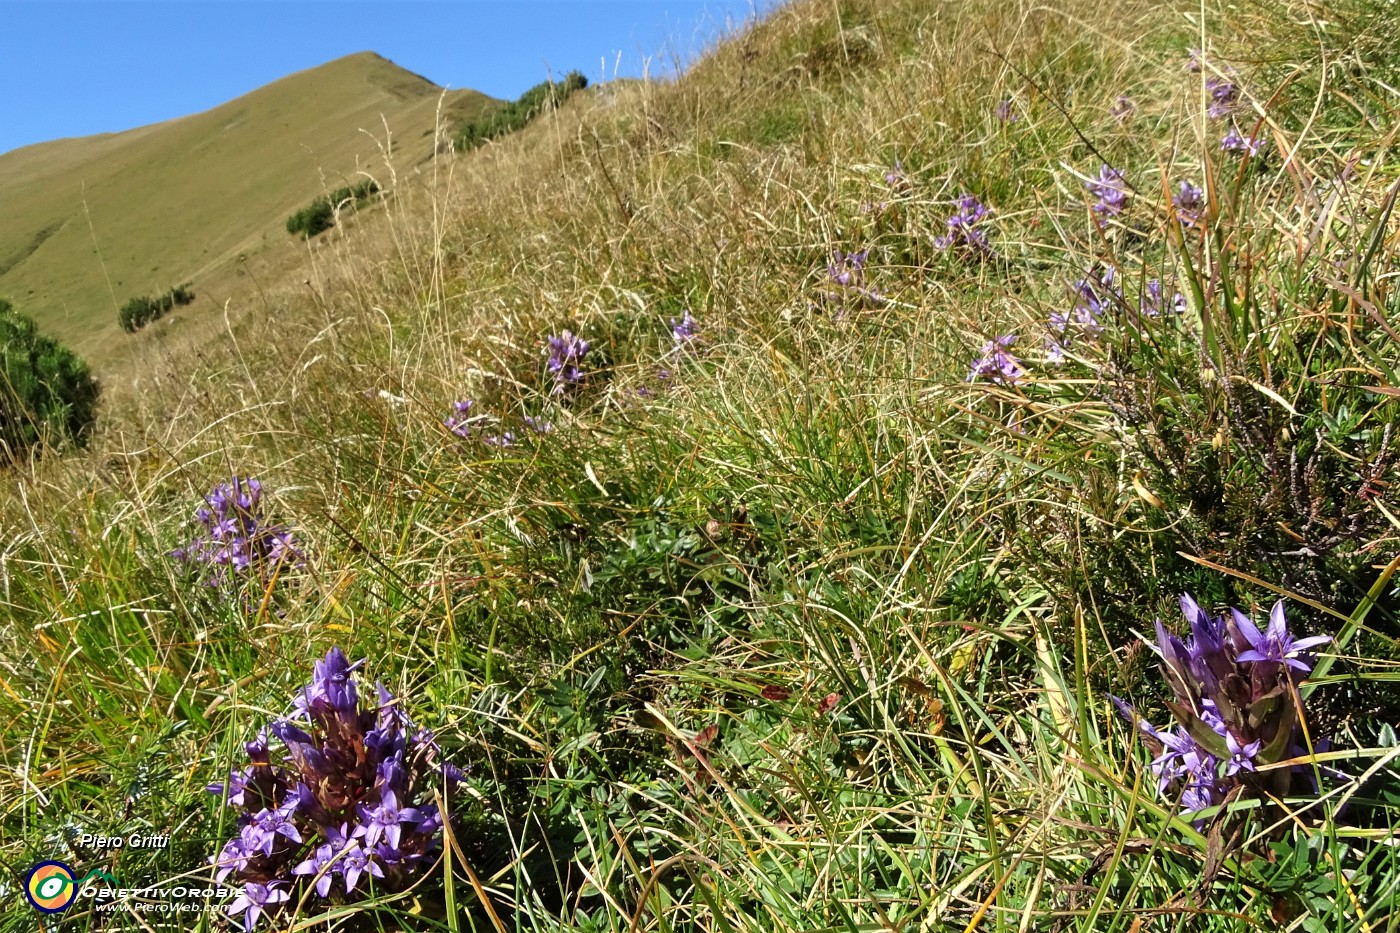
<point>828,703</point>
<point>776,693</point>
<point>706,735</point>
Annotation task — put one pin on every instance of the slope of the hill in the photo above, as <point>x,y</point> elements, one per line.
<point>91,222</point>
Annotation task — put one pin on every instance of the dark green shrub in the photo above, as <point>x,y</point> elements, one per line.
<point>141,310</point>
<point>512,116</point>
<point>315,218</point>
<point>46,391</point>
<point>319,215</point>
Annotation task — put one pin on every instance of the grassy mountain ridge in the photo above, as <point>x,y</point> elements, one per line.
<point>93,221</point>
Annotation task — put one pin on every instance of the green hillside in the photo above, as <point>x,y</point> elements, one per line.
<point>928,468</point>
<point>89,223</point>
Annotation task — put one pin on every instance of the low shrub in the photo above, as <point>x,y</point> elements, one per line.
<point>46,391</point>
<point>319,215</point>
<point>142,310</point>
<point>516,114</point>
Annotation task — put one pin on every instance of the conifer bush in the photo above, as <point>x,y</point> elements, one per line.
<point>141,310</point>
<point>516,114</point>
<point>319,216</point>
<point>47,393</point>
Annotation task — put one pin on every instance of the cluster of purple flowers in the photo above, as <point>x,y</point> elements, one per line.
<point>566,353</point>
<point>1236,142</point>
<point>537,425</point>
<point>1153,302</point>
<point>1093,298</point>
<point>963,233</point>
<point>503,439</point>
<point>1235,702</point>
<point>1224,100</point>
<point>847,270</point>
<point>1005,112</point>
<point>350,804</point>
<point>685,330</point>
<point>997,364</point>
<point>895,177</point>
<point>1190,204</point>
<point>1224,97</point>
<point>461,423</point>
<point>1111,191</point>
<point>235,538</point>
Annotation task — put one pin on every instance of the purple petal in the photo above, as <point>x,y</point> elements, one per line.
<point>1249,630</point>
<point>1278,626</point>
<point>1192,611</point>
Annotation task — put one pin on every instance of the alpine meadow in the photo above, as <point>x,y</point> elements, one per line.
<point>929,466</point>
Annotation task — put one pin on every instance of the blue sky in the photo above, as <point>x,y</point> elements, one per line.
<point>77,68</point>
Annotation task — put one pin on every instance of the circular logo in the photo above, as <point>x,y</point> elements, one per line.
<point>50,887</point>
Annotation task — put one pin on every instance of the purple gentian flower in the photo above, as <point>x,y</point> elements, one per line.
<point>331,691</point>
<point>1110,189</point>
<point>233,857</point>
<point>1151,303</point>
<point>1275,644</point>
<point>1005,113</point>
<point>504,439</point>
<point>384,820</point>
<point>323,866</point>
<point>459,422</point>
<point>355,862</point>
<point>1087,314</point>
<point>1223,97</point>
<point>289,732</point>
<point>1201,792</point>
<point>1180,756</point>
<point>1241,756</point>
<point>287,825</point>
<point>1234,142</point>
<point>565,364</point>
<point>271,824</point>
<point>234,535</point>
<point>1190,204</point>
<point>963,231</point>
<point>996,363</point>
<point>430,819</point>
<point>236,787</point>
<point>684,330</point>
<point>254,898</point>
<point>847,269</point>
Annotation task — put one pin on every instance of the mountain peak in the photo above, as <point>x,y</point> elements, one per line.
<point>175,201</point>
